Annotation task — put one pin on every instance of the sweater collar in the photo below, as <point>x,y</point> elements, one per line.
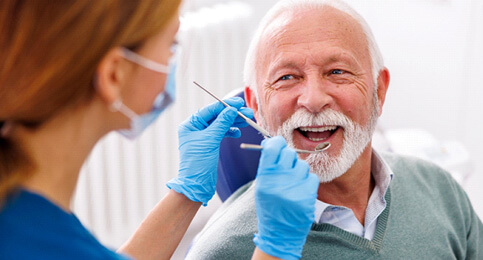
<point>382,174</point>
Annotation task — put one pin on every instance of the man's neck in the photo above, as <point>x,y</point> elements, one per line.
<point>353,189</point>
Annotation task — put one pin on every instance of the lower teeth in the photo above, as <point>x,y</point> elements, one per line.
<point>316,139</point>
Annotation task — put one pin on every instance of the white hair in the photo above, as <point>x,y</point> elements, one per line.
<point>250,72</point>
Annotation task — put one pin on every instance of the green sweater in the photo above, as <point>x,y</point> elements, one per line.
<point>428,216</point>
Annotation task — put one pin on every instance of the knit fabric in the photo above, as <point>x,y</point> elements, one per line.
<point>428,216</point>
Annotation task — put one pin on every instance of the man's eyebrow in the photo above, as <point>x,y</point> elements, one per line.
<point>341,57</point>
<point>283,64</point>
<point>287,63</point>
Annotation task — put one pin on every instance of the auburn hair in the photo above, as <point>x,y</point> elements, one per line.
<point>49,51</point>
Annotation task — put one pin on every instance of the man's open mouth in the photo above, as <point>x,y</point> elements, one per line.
<point>317,134</point>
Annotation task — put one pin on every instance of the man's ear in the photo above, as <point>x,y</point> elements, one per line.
<point>251,100</point>
<point>110,74</point>
<point>383,84</point>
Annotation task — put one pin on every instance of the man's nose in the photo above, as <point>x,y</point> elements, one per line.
<point>314,96</point>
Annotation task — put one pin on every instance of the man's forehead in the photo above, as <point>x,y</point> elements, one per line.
<point>313,25</point>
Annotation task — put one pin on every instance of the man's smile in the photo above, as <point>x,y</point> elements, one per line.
<point>317,134</point>
<point>308,137</point>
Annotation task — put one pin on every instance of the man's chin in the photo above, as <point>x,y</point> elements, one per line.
<point>326,168</point>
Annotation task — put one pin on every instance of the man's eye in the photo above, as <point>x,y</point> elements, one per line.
<point>337,72</point>
<point>286,77</point>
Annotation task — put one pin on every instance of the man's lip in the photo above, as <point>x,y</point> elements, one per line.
<point>310,143</point>
<point>318,128</point>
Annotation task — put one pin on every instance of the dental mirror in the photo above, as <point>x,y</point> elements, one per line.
<point>319,148</point>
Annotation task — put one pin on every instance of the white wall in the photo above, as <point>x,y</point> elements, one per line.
<point>472,105</point>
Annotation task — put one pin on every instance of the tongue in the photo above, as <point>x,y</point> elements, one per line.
<point>318,135</point>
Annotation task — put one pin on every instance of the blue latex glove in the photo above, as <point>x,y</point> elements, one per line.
<point>199,144</point>
<point>285,194</point>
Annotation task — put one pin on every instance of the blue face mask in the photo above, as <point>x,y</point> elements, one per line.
<point>140,122</point>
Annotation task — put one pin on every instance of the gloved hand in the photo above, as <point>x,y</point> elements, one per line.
<point>199,144</point>
<point>285,194</point>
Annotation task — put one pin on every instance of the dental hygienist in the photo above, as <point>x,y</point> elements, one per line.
<point>73,71</point>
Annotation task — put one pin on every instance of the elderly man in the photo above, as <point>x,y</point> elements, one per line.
<point>315,74</point>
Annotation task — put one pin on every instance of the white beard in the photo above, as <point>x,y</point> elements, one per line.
<point>355,140</point>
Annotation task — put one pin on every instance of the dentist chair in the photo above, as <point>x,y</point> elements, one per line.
<point>237,166</point>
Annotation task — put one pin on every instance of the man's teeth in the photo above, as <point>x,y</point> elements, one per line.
<point>316,139</point>
<point>318,129</point>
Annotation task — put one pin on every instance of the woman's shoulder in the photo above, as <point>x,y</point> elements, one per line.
<point>31,227</point>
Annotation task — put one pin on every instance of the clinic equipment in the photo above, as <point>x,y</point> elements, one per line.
<point>319,148</point>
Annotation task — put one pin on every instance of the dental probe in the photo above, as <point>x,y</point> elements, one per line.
<point>248,120</point>
<point>319,148</point>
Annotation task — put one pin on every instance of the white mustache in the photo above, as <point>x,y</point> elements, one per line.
<point>329,117</point>
<point>355,138</point>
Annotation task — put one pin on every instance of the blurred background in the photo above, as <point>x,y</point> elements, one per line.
<point>433,109</point>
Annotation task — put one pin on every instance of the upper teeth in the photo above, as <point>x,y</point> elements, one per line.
<point>318,129</point>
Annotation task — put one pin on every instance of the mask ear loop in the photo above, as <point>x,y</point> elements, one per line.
<point>119,106</point>
<point>147,63</point>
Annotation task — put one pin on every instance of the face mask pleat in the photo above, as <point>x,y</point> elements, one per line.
<point>140,122</point>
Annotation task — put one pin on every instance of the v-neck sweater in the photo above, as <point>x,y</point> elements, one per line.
<point>428,216</point>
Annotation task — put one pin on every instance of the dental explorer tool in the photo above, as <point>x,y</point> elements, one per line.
<point>248,120</point>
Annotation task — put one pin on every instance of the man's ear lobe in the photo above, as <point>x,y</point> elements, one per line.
<point>110,76</point>
<point>251,100</point>
<point>382,86</point>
